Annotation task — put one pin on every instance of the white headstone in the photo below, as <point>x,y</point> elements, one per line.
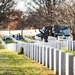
<point>51,57</point>
<point>47,57</point>
<point>61,62</point>
<point>43,55</point>
<point>40,54</point>
<point>56,61</point>
<point>74,65</point>
<point>73,45</point>
<point>69,64</point>
<point>34,52</point>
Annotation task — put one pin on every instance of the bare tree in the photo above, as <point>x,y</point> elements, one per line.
<point>50,13</point>
<point>5,7</point>
<point>43,16</point>
<point>17,19</point>
<point>66,14</point>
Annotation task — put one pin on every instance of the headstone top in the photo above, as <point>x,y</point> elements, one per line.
<point>70,54</point>
<point>62,51</point>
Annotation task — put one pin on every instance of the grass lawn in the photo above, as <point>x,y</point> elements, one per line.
<point>0,42</point>
<point>31,37</point>
<point>69,51</point>
<point>1,46</point>
<point>24,40</point>
<point>8,41</point>
<point>13,64</point>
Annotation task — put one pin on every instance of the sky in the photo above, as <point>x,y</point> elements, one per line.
<point>24,4</point>
<point>21,5</point>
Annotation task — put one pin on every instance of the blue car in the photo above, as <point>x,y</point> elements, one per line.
<point>7,37</point>
<point>38,36</point>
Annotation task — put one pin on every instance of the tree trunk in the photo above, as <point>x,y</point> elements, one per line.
<point>73,36</point>
<point>45,37</point>
<point>22,32</point>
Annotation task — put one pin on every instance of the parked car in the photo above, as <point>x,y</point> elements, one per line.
<point>8,37</point>
<point>57,30</point>
<point>38,36</point>
<point>18,37</point>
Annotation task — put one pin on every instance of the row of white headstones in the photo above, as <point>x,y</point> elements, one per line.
<point>58,60</point>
